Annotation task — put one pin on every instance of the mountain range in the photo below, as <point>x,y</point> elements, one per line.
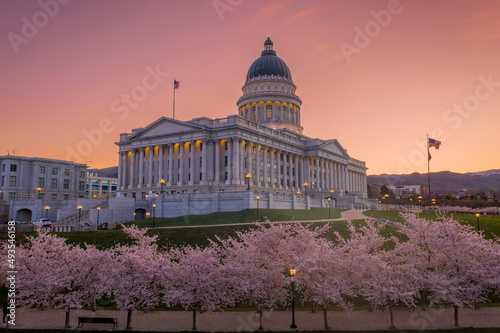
<point>444,181</point>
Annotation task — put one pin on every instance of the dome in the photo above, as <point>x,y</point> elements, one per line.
<point>269,64</point>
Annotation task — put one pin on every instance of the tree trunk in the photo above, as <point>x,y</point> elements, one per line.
<point>455,308</point>
<point>261,328</point>
<point>392,327</point>
<point>313,308</point>
<point>129,320</point>
<point>94,304</point>
<point>422,299</point>
<point>370,308</point>
<point>67,324</point>
<point>194,319</point>
<point>325,318</point>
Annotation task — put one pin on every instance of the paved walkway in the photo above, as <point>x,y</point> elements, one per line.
<point>273,320</point>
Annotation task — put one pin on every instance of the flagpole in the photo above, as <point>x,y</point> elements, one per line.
<point>173,109</point>
<point>428,169</point>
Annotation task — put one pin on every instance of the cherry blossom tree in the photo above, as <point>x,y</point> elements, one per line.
<point>196,280</point>
<point>135,272</point>
<point>382,275</point>
<point>56,275</point>
<point>462,263</point>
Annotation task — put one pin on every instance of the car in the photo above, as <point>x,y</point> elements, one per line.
<point>17,221</point>
<point>43,222</point>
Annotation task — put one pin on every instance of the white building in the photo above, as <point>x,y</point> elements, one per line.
<point>264,139</point>
<point>55,179</point>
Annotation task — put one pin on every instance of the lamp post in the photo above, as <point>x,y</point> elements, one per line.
<point>38,190</point>
<point>477,219</point>
<point>305,186</point>
<point>292,273</point>
<point>257,197</point>
<point>329,205</point>
<point>98,211</point>
<point>154,208</point>
<point>79,213</point>
<point>46,211</point>
<point>248,177</point>
<point>162,182</point>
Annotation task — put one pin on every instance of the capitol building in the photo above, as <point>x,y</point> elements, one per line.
<point>258,155</point>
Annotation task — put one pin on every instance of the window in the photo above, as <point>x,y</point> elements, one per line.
<point>12,195</point>
<point>201,162</point>
<point>66,172</point>
<point>66,184</point>
<point>3,167</point>
<point>225,160</point>
<point>12,181</point>
<point>54,196</point>
<point>189,177</point>
<point>13,168</point>
<point>268,87</point>
<point>55,171</point>
<point>201,146</point>
<point>41,182</point>
<point>41,196</point>
<point>66,197</point>
<point>3,180</point>
<point>189,162</point>
<point>53,183</point>
<point>81,186</point>
<point>269,113</point>
<point>201,176</point>
<point>82,174</point>
<point>225,175</point>
<point>225,145</point>
<point>41,169</point>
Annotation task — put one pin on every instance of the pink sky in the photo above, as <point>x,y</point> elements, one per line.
<point>423,68</point>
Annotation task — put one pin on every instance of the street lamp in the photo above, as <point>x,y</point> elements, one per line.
<point>292,273</point>
<point>477,218</point>
<point>46,211</point>
<point>79,213</point>
<point>257,197</point>
<point>305,186</point>
<point>162,182</point>
<point>98,211</point>
<point>154,208</point>
<point>38,190</point>
<point>248,177</point>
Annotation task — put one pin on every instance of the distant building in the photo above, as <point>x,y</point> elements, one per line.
<point>101,188</point>
<point>24,178</point>
<point>408,191</point>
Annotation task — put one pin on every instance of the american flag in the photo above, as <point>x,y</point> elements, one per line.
<point>176,84</point>
<point>434,143</point>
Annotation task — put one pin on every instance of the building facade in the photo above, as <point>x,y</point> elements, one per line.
<point>101,188</point>
<point>26,178</point>
<point>261,147</point>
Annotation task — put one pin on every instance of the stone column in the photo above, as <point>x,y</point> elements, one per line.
<point>170,163</point>
<point>192,146</point>
<point>257,163</point>
<point>217,162</point>
<point>317,172</point>
<point>297,181</point>
<point>124,171</point>
<point>285,165</point>
<point>229,161</point>
<point>204,162</point>
<point>132,168</point>
<point>301,180</point>
<point>278,168</point>
<point>264,166</point>
<point>160,163</point>
<point>271,166</point>
<point>181,164</point>
<point>140,181</point>
<point>150,166</point>
<point>120,167</point>
<point>236,172</point>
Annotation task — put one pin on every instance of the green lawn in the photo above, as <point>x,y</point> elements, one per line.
<point>244,216</point>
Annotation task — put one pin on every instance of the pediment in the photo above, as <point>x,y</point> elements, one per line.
<point>164,126</point>
<point>333,146</point>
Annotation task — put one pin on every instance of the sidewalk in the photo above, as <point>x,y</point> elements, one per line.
<point>273,320</point>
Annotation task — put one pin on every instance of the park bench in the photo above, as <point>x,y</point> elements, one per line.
<point>97,320</point>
